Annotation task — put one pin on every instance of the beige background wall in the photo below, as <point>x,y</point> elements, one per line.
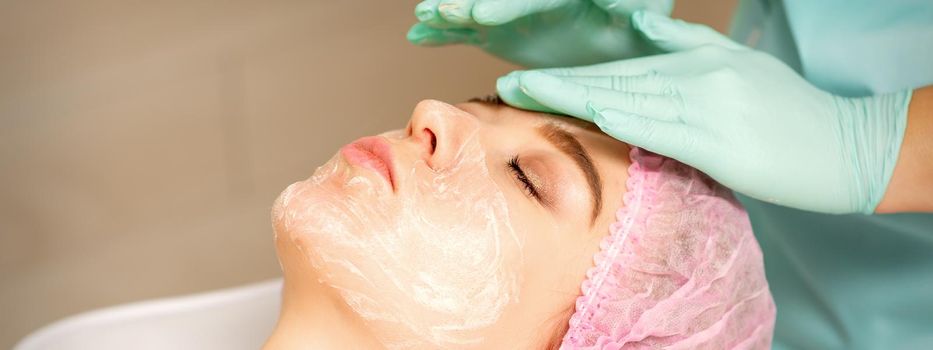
<point>143,142</point>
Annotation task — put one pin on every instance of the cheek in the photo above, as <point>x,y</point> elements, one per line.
<point>434,265</point>
<point>543,232</point>
<point>556,257</point>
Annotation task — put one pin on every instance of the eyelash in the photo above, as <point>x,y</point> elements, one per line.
<point>490,99</point>
<point>516,168</point>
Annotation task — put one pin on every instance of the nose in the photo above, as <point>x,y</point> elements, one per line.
<point>440,130</point>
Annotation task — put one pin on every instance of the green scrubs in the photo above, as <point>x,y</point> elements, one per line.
<point>846,281</point>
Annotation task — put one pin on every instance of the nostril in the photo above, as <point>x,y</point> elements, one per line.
<point>433,140</point>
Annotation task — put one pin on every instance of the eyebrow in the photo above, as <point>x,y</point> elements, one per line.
<point>570,145</point>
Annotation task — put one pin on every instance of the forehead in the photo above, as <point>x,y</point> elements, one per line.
<point>506,114</point>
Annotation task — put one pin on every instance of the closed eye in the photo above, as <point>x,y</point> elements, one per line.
<point>516,169</point>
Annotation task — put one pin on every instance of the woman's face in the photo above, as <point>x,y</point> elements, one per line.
<point>472,227</point>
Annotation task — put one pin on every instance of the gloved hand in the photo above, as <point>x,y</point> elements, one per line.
<point>537,33</point>
<point>739,115</point>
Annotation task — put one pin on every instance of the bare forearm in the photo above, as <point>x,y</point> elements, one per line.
<point>911,185</point>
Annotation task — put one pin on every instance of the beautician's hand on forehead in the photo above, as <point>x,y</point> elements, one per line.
<point>739,115</point>
<point>537,33</point>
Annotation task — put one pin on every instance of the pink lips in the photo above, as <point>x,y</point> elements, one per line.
<point>371,152</point>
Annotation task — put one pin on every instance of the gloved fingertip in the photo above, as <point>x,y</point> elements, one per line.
<point>508,82</point>
<point>509,90</point>
<point>418,34</point>
<point>638,19</point>
<point>491,13</point>
<point>423,35</point>
<point>536,79</point>
<point>545,87</point>
<point>425,11</point>
<point>612,6</point>
<point>455,12</point>
<point>597,116</point>
<point>602,123</point>
<point>593,110</point>
<point>650,24</point>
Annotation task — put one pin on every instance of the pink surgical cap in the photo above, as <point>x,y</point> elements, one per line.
<point>680,269</point>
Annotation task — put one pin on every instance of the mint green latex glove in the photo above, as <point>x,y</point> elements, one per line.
<point>537,33</point>
<point>739,115</point>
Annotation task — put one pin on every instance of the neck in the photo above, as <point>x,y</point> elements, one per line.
<point>313,316</point>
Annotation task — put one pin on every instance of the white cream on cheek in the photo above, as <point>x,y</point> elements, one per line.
<point>430,266</point>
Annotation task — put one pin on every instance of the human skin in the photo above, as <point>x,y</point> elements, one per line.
<point>911,185</point>
<point>558,240</point>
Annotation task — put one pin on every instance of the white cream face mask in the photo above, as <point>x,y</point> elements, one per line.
<point>428,266</point>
